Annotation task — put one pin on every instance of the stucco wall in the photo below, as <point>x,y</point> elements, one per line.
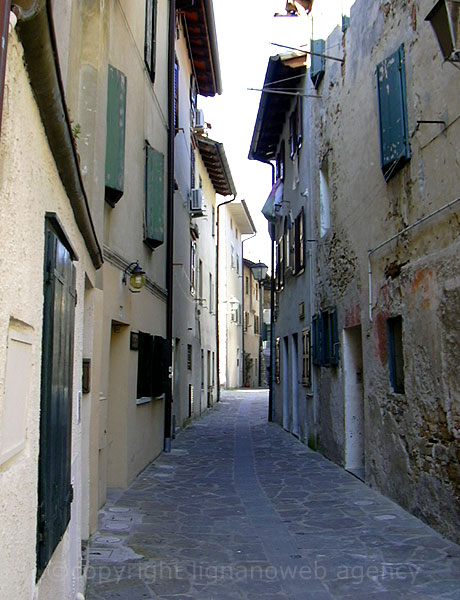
<point>411,439</point>
<point>30,187</point>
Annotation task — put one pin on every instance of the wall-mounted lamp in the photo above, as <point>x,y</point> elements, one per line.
<point>136,277</point>
<point>444,17</point>
<point>259,271</point>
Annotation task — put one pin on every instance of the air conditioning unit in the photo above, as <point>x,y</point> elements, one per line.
<point>199,120</point>
<point>196,201</point>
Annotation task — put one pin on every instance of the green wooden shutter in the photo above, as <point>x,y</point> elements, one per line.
<point>54,467</point>
<point>150,36</point>
<point>115,136</point>
<point>391,90</point>
<point>318,63</point>
<point>154,198</point>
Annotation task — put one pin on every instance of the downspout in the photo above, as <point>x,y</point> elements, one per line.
<point>5,7</point>
<point>36,33</point>
<point>217,295</point>
<point>170,223</point>
<point>271,379</point>
<point>242,294</point>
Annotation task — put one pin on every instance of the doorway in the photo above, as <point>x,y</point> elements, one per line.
<point>285,382</point>
<point>294,386</point>
<point>354,401</point>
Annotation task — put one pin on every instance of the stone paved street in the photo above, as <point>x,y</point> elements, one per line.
<point>242,510</point>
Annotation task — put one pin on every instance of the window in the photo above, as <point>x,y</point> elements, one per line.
<point>280,158</point>
<point>213,222</point>
<point>237,263</point>
<point>192,165</point>
<point>391,91</point>
<point>318,63</point>
<point>152,366</point>
<point>306,362</point>
<point>176,96</point>
<point>246,321</point>
<point>295,128</point>
<point>115,136</point>
<point>192,268</point>
<point>211,293</point>
<point>154,198</point>
<point>55,491</point>
<point>247,285</point>
<point>325,339</point>
<point>189,357</point>
<point>277,360</point>
<point>396,354</point>
<point>200,279</point>
<point>257,291</point>
<point>299,242</point>
<point>256,324</point>
<point>280,251</point>
<point>324,208</point>
<point>202,370</point>
<point>150,36</point>
<point>232,256</point>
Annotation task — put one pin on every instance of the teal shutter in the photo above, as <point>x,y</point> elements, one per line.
<point>154,196</point>
<point>318,63</point>
<point>115,136</point>
<point>150,36</point>
<point>394,137</point>
<point>54,466</point>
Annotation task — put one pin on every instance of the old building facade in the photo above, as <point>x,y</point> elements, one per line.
<point>373,175</point>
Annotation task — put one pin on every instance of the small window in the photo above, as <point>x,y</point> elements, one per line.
<point>200,279</point>
<point>277,360</point>
<point>192,268</point>
<point>176,96</point>
<point>295,128</point>
<point>280,158</point>
<point>247,285</point>
<point>150,36</point>
<point>189,357</point>
<point>396,354</point>
<point>325,338</point>
<point>280,262</point>
<point>232,256</point>
<point>256,324</point>
<point>246,321</point>
<point>213,222</point>
<point>306,360</point>
<point>237,263</point>
<point>318,62</point>
<point>299,243</point>
<point>394,135</point>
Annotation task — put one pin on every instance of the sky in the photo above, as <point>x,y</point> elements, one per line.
<point>245,31</point>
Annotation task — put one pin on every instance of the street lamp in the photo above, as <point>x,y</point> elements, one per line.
<point>259,271</point>
<point>444,17</point>
<point>136,277</point>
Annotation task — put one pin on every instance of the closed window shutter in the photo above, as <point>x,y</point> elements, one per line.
<point>115,136</point>
<point>150,36</point>
<point>394,136</point>
<point>318,63</point>
<point>55,492</point>
<point>145,366</point>
<point>160,366</point>
<point>154,198</point>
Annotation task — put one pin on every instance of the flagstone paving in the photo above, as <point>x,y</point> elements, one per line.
<point>242,510</point>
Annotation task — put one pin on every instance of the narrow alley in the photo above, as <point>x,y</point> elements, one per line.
<point>241,510</point>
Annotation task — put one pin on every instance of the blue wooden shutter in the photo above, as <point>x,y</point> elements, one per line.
<point>394,137</point>
<point>54,465</point>
<point>115,136</point>
<point>150,36</point>
<point>154,198</point>
<point>318,63</point>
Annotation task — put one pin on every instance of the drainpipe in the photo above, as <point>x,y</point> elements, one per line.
<point>242,293</point>
<point>36,33</point>
<point>170,223</point>
<point>271,379</point>
<point>217,295</point>
<point>5,7</point>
